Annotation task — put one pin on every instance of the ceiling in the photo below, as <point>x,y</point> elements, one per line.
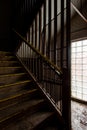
<point>14,15</point>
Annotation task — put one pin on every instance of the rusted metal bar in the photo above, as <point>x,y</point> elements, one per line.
<point>44,30</point>
<point>36,32</point>
<point>62,31</point>
<point>49,28</point>
<point>55,29</point>
<point>39,29</point>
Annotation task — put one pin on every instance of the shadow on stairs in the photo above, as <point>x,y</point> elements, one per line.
<point>22,105</point>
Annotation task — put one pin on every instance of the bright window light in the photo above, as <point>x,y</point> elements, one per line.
<point>79,69</point>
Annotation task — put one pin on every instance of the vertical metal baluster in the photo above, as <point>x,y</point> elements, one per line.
<point>33,62</point>
<point>62,31</point>
<point>44,30</point>
<point>36,43</point>
<point>36,66</point>
<point>32,45</point>
<point>32,34</point>
<point>30,58</point>
<point>62,42</point>
<point>26,55</point>
<point>36,32</point>
<point>49,27</point>
<point>43,76</point>
<point>55,29</point>
<point>39,29</point>
<point>28,49</point>
<point>22,51</point>
<point>29,35</point>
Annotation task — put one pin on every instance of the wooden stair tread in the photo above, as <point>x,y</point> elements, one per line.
<point>38,117</point>
<point>32,121</point>
<point>10,75</point>
<point>8,112</point>
<point>5,52</point>
<point>13,84</point>
<point>7,79</point>
<point>12,95</point>
<point>10,69</point>
<point>9,63</point>
<point>51,128</point>
<point>7,57</point>
<point>22,106</point>
<point>12,91</point>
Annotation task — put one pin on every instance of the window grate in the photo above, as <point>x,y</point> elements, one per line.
<point>79,69</point>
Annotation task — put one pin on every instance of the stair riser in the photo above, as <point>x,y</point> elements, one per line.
<point>10,70</point>
<point>12,79</point>
<point>7,58</point>
<point>18,99</point>
<point>5,54</point>
<point>12,90</point>
<point>6,64</point>
<point>22,115</point>
<point>43,124</point>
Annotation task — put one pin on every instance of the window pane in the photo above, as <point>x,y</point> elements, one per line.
<point>79,69</point>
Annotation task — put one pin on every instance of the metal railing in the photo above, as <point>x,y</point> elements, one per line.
<point>47,74</point>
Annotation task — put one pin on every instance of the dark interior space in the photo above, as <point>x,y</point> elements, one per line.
<point>43,64</point>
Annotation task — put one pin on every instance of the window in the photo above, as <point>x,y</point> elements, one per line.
<point>79,69</point>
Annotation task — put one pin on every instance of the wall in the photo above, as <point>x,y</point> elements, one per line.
<point>5,24</point>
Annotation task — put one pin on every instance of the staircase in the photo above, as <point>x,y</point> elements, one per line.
<point>23,106</point>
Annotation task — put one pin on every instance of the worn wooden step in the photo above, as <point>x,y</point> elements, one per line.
<point>10,70</point>
<point>5,53</point>
<point>12,78</point>
<point>38,118</point>
<point>7,58</point>
<point>11,89</point>
<point>9,63</point>
<point>11,99</point>
<point>21,107</point>
<point>51,127</point>
<point>31,122</point>
<point>52,124</point>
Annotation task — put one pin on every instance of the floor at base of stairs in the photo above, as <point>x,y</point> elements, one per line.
<point>79,116</point>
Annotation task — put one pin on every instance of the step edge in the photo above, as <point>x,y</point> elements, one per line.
<point>29,107</point>
<point>12,74</point>
<point>17,95</point>
<point>13,84</point>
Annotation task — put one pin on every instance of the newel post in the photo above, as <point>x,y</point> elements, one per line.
<point>66,99</point>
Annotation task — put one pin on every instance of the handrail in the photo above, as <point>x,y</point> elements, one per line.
<point>52,65</point>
